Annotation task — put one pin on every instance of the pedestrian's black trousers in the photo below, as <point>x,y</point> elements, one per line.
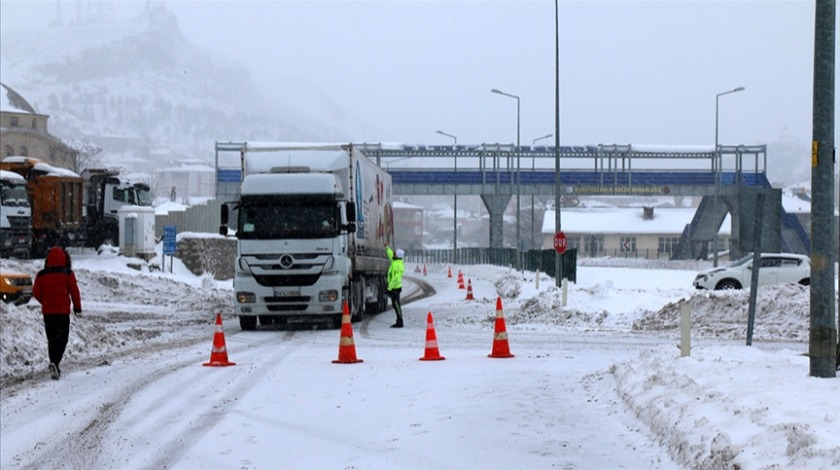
<point>57,327</point>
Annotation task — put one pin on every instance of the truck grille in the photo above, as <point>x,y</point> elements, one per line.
<point>280,280</point>
<point>19,223</point>
<point>297,298</point>
<point>287,308</point>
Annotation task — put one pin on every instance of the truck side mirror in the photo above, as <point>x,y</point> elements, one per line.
<point>223,230</point>
<point>351,227</point>
<point>350,210</point>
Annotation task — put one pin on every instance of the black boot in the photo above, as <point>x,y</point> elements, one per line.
<point>399,323</point>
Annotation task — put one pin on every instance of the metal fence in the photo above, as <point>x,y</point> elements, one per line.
<point>531,260</point>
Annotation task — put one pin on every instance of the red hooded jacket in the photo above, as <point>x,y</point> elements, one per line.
<point>55,285</point>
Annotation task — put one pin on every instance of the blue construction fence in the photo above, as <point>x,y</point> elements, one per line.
<point>531,260</point>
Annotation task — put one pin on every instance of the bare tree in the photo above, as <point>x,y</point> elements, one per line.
<point>87,154</point>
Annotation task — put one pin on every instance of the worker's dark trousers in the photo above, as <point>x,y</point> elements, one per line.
<point>394,294</point>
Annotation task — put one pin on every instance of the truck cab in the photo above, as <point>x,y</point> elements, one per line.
<point>15,216</point>
<point>312,223</point>
<point>106,191</point>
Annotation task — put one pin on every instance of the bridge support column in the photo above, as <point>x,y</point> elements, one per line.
<point>496,206</point>
<point>735,228</point>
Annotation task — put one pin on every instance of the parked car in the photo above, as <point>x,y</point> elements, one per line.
<point>776,268</point>
<point>15,287</point>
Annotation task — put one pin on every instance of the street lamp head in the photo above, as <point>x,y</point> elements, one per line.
<point>496,91</point>
<point>740,88</point>
<point>541,138</point>
<point>448,135</point>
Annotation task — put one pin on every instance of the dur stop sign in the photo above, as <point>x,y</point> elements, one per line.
<point>560,242</point>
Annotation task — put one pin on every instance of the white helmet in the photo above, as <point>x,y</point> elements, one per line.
<point>400,253</point>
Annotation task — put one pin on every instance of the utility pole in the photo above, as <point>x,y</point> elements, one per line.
<point>823,348</point>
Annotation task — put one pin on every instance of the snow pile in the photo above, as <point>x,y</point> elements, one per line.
<point>781,313</point>
<point>127,304</point>
<point>711,412</point>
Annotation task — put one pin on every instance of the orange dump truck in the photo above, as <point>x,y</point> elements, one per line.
<point>55,196</point>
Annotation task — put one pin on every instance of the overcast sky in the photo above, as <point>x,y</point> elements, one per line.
<point>630,71</point>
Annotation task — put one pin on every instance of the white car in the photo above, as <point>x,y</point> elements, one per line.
<point>776,268</point>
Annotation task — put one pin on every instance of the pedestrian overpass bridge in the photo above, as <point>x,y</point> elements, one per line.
<point>728,182</point>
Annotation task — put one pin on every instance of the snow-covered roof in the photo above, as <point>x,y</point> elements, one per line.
<point>12,102</point>
<point>11,176</point>
<point>54,170</point>
<point>624,220</point>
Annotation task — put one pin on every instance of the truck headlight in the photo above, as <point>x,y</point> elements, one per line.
<point>328,295</point>
<point>246,297</point>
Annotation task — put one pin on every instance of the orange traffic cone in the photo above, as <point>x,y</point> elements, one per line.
<point>424,269</point>
<point>460,280</point>
<point>449,272</point>
<point>469,290</point>
<point>500,340</point>
<point>432,353</point>
<point>346,347</point>
<point>218,355</point>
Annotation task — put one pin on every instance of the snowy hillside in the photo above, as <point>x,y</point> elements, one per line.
<point>140,85</point>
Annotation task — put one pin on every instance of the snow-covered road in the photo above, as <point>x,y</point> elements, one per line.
<point>595,384</point>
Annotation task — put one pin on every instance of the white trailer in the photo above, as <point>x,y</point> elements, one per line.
<point>312,222</point>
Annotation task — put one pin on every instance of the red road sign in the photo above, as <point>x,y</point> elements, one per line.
<point>560,242</point>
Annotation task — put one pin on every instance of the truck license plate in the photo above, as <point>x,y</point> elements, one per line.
<point>286,292</point>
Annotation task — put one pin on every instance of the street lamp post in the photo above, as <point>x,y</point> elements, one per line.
<point>454,203</point>
<point>719,167</point>
<point>499,92</point>
<point>558,265</point>
<point>533,168</point>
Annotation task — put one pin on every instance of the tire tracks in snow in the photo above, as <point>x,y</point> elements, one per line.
<point>134,427</point>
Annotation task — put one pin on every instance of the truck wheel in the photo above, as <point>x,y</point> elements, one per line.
<point>247,323</point>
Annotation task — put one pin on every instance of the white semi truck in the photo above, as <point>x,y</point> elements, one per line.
<point>312,223</point>
<point>15,216</point>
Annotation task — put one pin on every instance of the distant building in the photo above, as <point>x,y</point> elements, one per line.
<point>23,132</point>
<point>186,181</point>
<point>408,226</point>
<point>632,232</point>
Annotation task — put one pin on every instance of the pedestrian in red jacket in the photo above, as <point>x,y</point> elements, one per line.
<point>55,287</point>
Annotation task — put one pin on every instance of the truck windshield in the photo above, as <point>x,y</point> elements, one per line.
<point>13,194</point>
<point>138,194</point>
<point>277,217</point>
<point>144,194</point>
